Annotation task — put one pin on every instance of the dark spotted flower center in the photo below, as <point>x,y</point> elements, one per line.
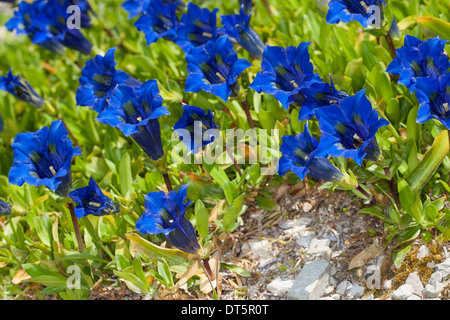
<point>217,71</point>
<point>47,165</point>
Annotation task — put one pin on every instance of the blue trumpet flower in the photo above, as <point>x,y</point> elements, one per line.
<point>135,111</point>
<point>196,121</point>
<point>239,29</point>
<point>139,7</point>
<point>44,158</point>
<point>247,5</point>
<point>44,22</point>
<point>165,214</point>
<point>299,156</point>
<point>30,19</point>
<point>434,97</point>
<point>91,200</point>
<point>136,7</point>
<point>159,21</point>
<point>353,10</point>
<point>197,27</point>
<point>99,79</point>
<point>419,58</point>
<point>285,72</point>
<point>349,128</point>
<point>318,95</point>
<point>5,208</point>
<point>21,89</point>
<point>215,68</point>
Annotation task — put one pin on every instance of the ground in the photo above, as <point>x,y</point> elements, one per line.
<point>311,215</point>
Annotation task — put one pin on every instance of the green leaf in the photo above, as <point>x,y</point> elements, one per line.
<point>55,280</point>
<point>216,172</point>
<point>412,158</point>
<point>374,211</point>
<point>408,235</point>
<point>229,219</point>
<point>412,128</point>
<point>125,178</point>
<point>266,204</point>
<point>137,267</point>
<point>430,162</point>
<point>142,286</point>
<point>236,269</point>
<point>436,26</point>
<point>393,111</point>
<point>176,259</point>
<point>164,272</point>
<point>239,202</point>
<point>230,191</point>
<point>266,119</point>
<point>432,212</point>
<point>406,195</point>
<point>81,256</point>
<point>400,255</point>
<point>202,218</point>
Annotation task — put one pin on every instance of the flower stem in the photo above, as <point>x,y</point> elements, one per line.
<point>391,45</point>
<point>76,227</point>
<point>167,181</point>
<point>209,274</point>
<point>235,163</point>
<point>75,141</point>
<point>247,113</point>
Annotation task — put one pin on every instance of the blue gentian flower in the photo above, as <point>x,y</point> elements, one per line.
<point>44,22</point>
<point>165,214</point>
<point>21,89</point>
<point>2,126</point>
<point>215,68</point>
<point>44,158</point>
<point>247,5</point>
<point>99,79</point>
<point>239,29</point>
<point>139,7</point>
<point>434,97</point>
<point>5,208</point>
<point>285,72</point>
<point>419,58</point>
<point>299,156</point>
<point>197,26</point>
<point>58,13</point>
<point>136,7</point>
<point>30,19</point>
<point>349,128</point>
<point>352,10</point>
<point>196,120</point>
<point>135,111</point>
<point>318,95</point>
<point>160,21</point>
<point>91,200</point>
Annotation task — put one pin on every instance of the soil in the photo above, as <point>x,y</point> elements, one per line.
<point>331,216</point>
